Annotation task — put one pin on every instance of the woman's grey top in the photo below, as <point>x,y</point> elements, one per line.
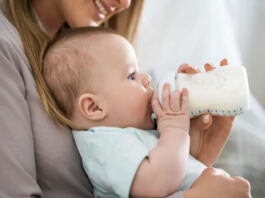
<point>37,157</point>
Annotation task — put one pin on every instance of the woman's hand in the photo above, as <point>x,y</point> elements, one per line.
<point>208,133</point>
<point>218,184</point>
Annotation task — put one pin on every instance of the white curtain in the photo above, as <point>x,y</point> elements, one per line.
<point>173,32</point>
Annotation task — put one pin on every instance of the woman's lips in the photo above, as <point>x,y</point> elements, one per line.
<point>103,8</point>
<point>100,7</point>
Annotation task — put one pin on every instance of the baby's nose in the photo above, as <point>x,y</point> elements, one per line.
<point>146,80</point>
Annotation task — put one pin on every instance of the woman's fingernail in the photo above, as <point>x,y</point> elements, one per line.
<point>209,64</point>
<point>183,70</point>
<point>206,119</point>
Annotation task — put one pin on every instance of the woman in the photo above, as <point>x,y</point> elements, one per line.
<point>38,156</point>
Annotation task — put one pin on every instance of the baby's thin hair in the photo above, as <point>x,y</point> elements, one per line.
<point>65,62</point>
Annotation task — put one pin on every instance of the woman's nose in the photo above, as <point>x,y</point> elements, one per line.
<point>146,80</point>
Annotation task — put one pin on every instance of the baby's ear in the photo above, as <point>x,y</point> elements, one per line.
<point>91,106</point>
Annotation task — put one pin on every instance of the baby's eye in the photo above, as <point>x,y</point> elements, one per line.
<point>131,76</point>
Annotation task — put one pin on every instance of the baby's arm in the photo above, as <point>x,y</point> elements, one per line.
<point>163,170</point>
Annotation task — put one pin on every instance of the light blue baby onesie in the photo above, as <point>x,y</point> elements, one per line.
<point>112,155</point>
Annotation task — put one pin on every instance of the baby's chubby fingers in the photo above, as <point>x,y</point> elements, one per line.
<point>185,101</point>
<point>175,101</point>
<point>157,107</point>
<point>155,95</point>
<point>166,97</point>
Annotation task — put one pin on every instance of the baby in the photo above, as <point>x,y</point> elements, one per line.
<point>94,77</point>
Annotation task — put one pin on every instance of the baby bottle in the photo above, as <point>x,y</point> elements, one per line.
<point>223,91</point>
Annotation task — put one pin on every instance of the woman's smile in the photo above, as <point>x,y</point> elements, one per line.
<point>103,8</point>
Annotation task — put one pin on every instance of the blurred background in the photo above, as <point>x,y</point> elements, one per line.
<point>173,32</point>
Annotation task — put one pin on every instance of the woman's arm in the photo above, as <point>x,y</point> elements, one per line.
<point>17,166</point>
<point>208,134</point>
<point>218,184</point>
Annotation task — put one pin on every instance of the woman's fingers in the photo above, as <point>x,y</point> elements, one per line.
<point>208,67</point>
<point>224,62</point>
<point>187,69</point>
<point>200,123</point>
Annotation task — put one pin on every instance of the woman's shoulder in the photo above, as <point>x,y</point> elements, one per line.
<point>9,36</point>
<point>11,47</point>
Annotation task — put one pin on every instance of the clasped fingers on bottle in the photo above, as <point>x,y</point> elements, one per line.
<point>176,101</point>
<point>174,110</point>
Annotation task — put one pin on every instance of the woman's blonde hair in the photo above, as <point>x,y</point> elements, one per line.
<point>35,42</point>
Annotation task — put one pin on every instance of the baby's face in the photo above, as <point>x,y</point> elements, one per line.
<point>126,91</point>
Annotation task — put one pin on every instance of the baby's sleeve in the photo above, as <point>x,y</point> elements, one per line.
<point>110,160</point>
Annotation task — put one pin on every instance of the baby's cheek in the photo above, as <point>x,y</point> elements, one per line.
<point>136,110</point>
<point>141,108</point>
<point>137,107</point>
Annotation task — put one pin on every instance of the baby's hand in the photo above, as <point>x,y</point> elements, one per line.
<point>173,114</point>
